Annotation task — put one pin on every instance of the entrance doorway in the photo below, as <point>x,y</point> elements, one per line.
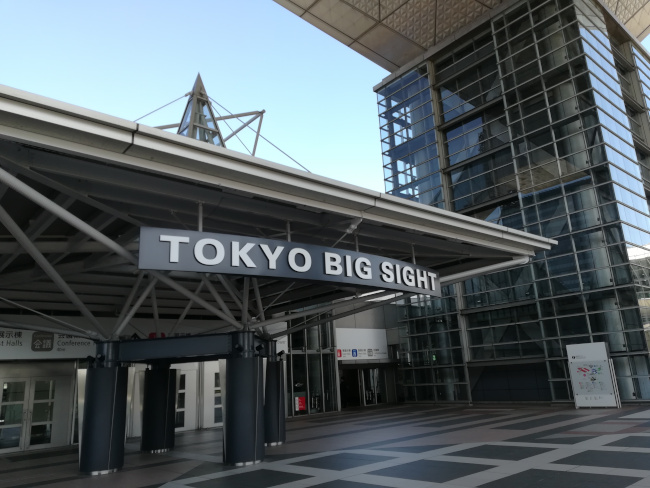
<point>364,387</point>
<point>350,389</point>
<point>34,413</point>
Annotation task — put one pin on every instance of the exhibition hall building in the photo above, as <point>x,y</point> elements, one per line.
<point>152,278</point>
<point>532,115</point>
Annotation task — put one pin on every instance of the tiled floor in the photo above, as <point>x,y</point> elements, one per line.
<point>405,446</point>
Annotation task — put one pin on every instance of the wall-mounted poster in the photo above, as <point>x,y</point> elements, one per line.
<point>592,376</point>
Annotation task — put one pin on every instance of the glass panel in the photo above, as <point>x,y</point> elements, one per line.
<point>11,414</point>
<point>181,382</point>
<point>312,338</point>
<point>40,434</point>
<point>43,412</point>
<point>180,419</point>
<point>218,415</point>
<point>13,391</point>
<point>370,383</point>
<point>329,379</point>
<point>298,340</point>
<point>326,335</point>
<point>10,437</point>
<point>44,390</point>
<point>181,400</point>
<point>217,380</point>
<point>299,382</point>
<point>315,389</point>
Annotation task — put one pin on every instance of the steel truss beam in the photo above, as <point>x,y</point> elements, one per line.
<point>113,246</point>
<point>24,241</point>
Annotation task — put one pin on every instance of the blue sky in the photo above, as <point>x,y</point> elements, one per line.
<point>128,58</point>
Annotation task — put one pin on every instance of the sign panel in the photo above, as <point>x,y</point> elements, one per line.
<point>591,375</point>
<point>301,403</point>
<point>361,344</point>
<point>27,344</point>
<point>179,250</point>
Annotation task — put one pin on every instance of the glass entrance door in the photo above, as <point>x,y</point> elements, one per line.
<point>13,413</point>
<point>374,386</point>
<point>33,413</point>
<point>212,407</point>
<point>186,401</point>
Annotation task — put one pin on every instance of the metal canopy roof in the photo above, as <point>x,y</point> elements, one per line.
<point>76,186</point>
<point>391,33</point>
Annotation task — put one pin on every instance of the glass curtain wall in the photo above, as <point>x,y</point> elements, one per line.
<point>432,368</point>
<point>541,123</point>
<point>312,377</point>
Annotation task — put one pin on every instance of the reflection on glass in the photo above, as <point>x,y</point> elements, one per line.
<point>181,400</point>
<point>180,419</point>
<point>312,338</point>
<point>11,414</point>
<point>10,437</point>
<point>13,391</point>
<point>40,434</point>
<point>44,390</point>
<point>315,389</point>
<point>329,381</point>
<point>43,412</point>
<point>299,384</point>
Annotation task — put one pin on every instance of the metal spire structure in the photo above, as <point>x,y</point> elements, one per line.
<point>198,120</point>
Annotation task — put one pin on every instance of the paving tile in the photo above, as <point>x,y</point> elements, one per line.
<point>346,484</point>
<point>541,422</point>
<point>426,470</point>
<point>413,449</point>
<point>343,461</point>
<point>642,441</point>
<point>539,478</point>
<point>261,478</point>
<point>508,453</point>
<point>611,459</point>
<point>205,468</point>
<point>461,419</point>
<point>564,439</point>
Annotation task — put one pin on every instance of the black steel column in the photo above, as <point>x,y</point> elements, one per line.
<point>158,409</point>
<point>243,430</point>
<point>102,440</point>
<point>274,400</point>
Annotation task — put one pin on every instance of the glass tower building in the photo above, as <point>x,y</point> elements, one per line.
<point>535,119</point>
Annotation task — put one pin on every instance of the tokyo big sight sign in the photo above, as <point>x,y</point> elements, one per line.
<point>179,250</point>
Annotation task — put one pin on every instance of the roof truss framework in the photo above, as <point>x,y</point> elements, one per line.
<point>75,187</point>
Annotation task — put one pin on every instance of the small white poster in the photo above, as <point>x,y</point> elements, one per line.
<point>367,344</point>
<point>591,375</point>
<point>28,344</point>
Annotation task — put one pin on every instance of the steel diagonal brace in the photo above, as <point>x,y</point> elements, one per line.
<point>217,296</point>
<point>125,321</point>
<point>45,265</point>
<point>82,226</point>
<point>341,315</point>
<point>186,310</point>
